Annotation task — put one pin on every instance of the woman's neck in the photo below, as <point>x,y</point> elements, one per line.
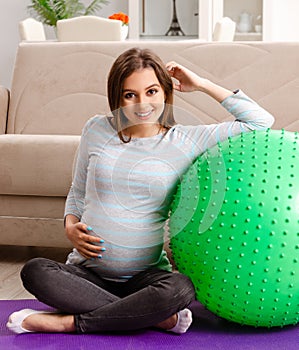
<point>143,130</point>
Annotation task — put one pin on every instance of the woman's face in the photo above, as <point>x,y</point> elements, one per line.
<point>142,98</point>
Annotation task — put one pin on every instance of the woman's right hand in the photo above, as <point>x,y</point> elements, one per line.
<point>86,244</point>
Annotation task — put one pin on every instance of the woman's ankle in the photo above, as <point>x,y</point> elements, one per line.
<point>169,323</point>
<point>49,323</point>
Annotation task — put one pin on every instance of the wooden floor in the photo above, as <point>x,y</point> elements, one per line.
<point>12,259</point>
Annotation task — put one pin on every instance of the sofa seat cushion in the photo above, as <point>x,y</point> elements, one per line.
<point>36,165</point>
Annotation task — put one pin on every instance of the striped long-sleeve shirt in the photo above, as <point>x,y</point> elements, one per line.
<point>124,190</point>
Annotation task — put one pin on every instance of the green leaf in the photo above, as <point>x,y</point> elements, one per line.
<point>94,6</point>
<point>50,11</point>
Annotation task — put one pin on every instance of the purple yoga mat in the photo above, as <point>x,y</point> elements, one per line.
<point>207,332</point>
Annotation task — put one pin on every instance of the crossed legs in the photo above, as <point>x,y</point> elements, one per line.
<point>87,303</point>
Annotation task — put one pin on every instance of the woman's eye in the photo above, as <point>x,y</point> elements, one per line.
<point>152,91</point>
<point>129,95</point>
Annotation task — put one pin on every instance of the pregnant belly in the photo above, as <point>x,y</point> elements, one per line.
<point>122,262</point>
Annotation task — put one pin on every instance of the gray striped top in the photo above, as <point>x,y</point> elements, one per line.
<point>124,190</point>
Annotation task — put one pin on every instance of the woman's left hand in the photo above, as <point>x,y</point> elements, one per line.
<point>187,81</point>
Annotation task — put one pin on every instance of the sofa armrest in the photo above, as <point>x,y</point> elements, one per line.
<point>4,101</point>
<point>36,165</point>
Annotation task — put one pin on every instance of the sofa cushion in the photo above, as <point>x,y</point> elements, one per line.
<point>36,165</point>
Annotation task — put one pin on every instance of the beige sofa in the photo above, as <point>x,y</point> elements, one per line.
<point>58,86</point>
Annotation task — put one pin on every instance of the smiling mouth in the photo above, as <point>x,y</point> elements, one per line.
<point>144,115</point>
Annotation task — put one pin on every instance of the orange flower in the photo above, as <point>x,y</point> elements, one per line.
<point>120,16</point>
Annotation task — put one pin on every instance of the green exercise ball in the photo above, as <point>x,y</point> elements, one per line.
<point>234,228</point>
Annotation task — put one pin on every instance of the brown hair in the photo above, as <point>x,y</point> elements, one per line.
<point>127,63</point>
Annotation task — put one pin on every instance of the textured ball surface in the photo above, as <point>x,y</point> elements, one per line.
<point>234,228</point>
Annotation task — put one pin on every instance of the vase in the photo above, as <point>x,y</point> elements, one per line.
<point>124,32</point>
<point>245,23</point>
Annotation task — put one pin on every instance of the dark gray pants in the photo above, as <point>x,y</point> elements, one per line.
<point>100,305</point>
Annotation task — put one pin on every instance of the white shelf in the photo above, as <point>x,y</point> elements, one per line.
<point>167,37</point>
<point>250,36</point>
<point>254,8</point>
<point>135,9</point>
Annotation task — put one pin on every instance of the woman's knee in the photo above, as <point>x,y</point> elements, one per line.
<point>34,270</point>
<point>183,285</point>
<point>179,289</point>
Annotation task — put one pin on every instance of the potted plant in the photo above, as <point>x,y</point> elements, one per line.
<point>50,11</point>
<point>124,18</point>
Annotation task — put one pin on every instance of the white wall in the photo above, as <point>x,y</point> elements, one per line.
<point>281,20</point>
<point>13,11</point>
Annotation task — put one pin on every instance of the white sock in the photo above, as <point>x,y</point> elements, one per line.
<point>183,323</point>
<point>16,319</point>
